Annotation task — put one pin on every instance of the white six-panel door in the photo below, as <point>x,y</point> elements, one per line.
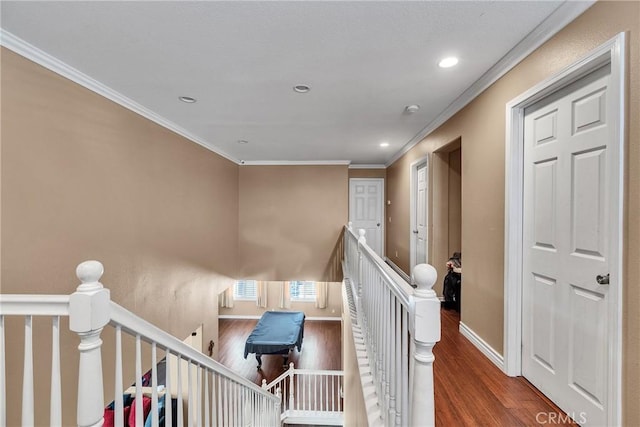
<point>565,246</point>
<point>420,230</point>
<point>366,209</point>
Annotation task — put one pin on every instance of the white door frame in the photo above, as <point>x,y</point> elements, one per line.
<point>412,210</point>
<point>612,52</point>
<point>382,217</point>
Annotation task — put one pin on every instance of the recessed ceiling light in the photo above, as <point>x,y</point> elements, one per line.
<point>187,99</point>
<point>302,88</point>
<point>384,144</point>
<point>242,141</point>
<point>411,108</point>
<point>448,62</point>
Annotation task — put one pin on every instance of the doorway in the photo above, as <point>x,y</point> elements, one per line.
<point>447,206</point>
<point>563,253</point>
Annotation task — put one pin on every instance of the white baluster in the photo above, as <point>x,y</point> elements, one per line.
<point>190,397</point>
<point>405,368</point>
<point>388,350</point>
<point>138,399</point>
<point>426,334</point>
<point>276,415</point>
<point>206,398</point>
<point>398,364</point>
<point>214,412</point>
<point>88,314</point>
<point>237,403</point>
<point>55,418</point>
<point>3,387</point>
<point>27,378</point>
<point>291,374</point>
<point>118,404</point>
<point>154,385</point>
<point>315,392</point>
<point>219,407</point>
<point>180,410</point>
<point>333,393</point>
<point>392,360</point>
<point>168,409</point>
<point>299,386</point>
<point>227,406</point>
<point>198,402</point>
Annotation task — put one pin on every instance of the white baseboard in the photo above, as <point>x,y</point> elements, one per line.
<point>238,317</point>
<point>482,345</point>
<point>250,317</point>
<point>323,318</point>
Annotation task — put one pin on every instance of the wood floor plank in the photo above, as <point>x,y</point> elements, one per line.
<point>471,391</point>
<point>320,349</point>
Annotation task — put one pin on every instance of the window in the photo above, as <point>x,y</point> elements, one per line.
<point>245,290</point>
<point>302,290</point>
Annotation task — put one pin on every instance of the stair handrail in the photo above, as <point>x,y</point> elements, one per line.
<point>414,393</point>
<point>89,310</point>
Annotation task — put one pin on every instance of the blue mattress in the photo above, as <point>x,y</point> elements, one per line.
<point>277,332</point>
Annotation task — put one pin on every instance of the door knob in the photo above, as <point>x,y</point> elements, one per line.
<point>415,231</point>
<point>378,224</point>
<point>602,279</point>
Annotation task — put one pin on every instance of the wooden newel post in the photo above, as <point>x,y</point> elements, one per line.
<point>426,334</point>
<point>88,313</point>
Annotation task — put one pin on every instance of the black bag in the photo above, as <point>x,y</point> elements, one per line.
<point>451,290</point>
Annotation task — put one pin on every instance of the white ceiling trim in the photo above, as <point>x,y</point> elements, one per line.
<point>23,48</point>
<point>560,18</point>
<point>295,163</point>
<point>367,166</point>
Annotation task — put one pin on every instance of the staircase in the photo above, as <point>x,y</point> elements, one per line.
<point>394,329</point>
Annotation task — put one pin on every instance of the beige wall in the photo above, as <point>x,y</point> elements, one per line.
<point>482,127</point>
<point>291,221</point>
<point>455,201</point>
<point>367,173</point>
<point>83,178</point>
<point>249,308</point>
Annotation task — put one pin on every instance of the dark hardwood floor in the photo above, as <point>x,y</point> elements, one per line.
<point>320,349</point>
<point>469,389</point>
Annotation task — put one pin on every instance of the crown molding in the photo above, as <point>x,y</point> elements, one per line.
<point>560,18</point>
<point>367,166</point>
<point>295,163</point>
<point>29,51</point>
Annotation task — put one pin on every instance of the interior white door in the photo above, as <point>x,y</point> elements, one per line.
<point>419,228</point>
<point>566,247</point>
<point>366,210</point>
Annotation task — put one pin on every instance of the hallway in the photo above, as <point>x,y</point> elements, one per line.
<point>469,389</point>
<point>472,391</point>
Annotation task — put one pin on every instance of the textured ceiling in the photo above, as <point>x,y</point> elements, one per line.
<point>365,62</point>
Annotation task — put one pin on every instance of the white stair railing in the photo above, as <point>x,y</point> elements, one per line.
<point>395,328</point>
<point>309,396</point>
<point>215,395</point>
